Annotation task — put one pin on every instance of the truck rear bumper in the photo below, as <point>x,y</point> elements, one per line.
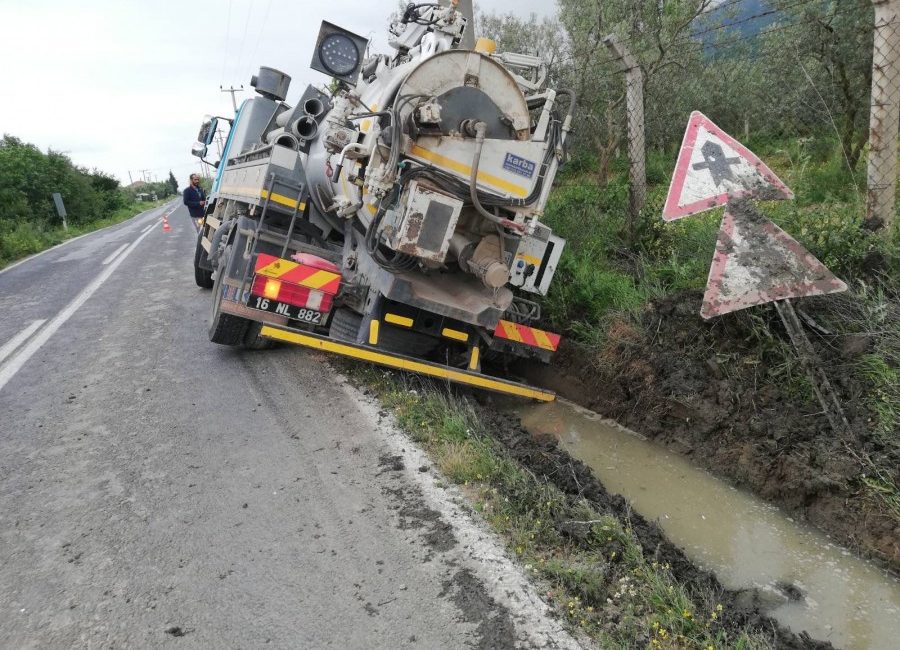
<point>391,360</point>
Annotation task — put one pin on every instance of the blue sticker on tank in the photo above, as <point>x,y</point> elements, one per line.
<point>519,166</point>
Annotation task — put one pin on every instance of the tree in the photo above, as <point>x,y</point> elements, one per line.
<point>173,183</point>
<point>826,55</point>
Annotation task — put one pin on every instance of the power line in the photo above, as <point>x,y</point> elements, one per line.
<point>237,67</point>
<point>747,19</point>
<point>225,45</point>
<point>695,35</point>
<point>259,36</point>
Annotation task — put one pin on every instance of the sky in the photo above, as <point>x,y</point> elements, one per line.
<point>123,85</point>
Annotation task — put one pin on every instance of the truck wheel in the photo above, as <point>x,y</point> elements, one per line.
<point>202,277</point>
<point>225,329</point>
<point>252,339</point>
<point>412,344</point>
<point>345,325</point>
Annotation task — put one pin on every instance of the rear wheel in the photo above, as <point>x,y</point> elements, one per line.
<point>345,325</point>
<point>252,339</point>
<point>225,329</point>
<point>202,277</point>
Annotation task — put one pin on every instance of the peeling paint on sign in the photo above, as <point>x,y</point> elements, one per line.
<point>756,262</point>
<point>713,168</point>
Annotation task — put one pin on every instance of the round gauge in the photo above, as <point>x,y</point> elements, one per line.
<point>338,54</point>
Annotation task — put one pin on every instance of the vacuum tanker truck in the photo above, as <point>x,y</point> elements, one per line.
<point>396,217</point>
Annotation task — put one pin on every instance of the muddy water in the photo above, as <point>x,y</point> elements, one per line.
<point>746,543</point>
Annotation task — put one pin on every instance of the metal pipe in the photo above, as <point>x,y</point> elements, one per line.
<point>340,166</point>
<point>313,107</point>
<point>282,118</point>
<point>283,138</point>
<point>305,128</point>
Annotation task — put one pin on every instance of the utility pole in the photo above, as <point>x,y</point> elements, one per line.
<point>884,117</point>
<point>637,151</point>
<point>232,90</point>
<point>130,179</point>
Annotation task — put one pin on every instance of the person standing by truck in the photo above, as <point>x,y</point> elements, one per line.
<point>195,198</point>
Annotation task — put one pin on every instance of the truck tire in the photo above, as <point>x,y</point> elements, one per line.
<point>252,339</point>
<point>225,329</point>
<point>202,277</point>
<point>345,325</point>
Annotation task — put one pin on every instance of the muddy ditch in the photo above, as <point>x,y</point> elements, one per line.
<point>698,388</point>
<point>543,457</point>
<point>740,612</point>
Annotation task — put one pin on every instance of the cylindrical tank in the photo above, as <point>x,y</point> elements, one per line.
<point>271,83</point>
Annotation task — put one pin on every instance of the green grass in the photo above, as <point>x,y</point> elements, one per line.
<point>600,581</point>
<point>603,278</point>
<point>22,238</point>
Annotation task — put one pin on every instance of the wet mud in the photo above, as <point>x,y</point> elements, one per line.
<point>543,456</point>
<point>696,387</point>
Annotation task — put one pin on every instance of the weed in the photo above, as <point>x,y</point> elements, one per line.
<point>600,580</point>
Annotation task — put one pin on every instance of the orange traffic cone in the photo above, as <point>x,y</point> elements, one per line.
<point>166,226</point>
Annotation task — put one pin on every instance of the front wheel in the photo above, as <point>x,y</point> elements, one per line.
<point>202,277</point>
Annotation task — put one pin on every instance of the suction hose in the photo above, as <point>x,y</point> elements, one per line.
<point>480,128</point>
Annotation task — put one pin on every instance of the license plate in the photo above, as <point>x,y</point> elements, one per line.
<point>293,312</point>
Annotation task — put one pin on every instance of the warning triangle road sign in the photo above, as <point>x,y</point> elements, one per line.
<point>757,262</point>
<point>712,168</point>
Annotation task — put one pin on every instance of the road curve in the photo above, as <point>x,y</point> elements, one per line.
<point>157,490</point>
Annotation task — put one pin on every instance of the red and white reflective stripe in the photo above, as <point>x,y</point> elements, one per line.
<point>525,335</point>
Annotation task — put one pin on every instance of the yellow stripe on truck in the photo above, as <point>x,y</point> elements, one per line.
<point>253,192</point>
<point>465,170</point>
<point>395,319</point>
<point>402,363</point>
<point>455,334</point>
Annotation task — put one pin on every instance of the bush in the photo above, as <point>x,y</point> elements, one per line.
<point>29,177</point>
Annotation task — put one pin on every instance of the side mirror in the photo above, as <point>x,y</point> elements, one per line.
<point>208,130</point>
<point>199,150</point>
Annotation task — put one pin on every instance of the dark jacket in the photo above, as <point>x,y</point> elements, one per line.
<point>192,197</point>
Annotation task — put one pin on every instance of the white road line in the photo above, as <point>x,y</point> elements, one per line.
<point>15,364</point>
<point>115,253</point>
<point>19,339</point>
<point>148,227</point>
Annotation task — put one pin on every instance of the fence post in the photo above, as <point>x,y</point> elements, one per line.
<point>885,116</point>
<point>634,107</point>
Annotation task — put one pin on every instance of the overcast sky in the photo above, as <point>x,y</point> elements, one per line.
<point>122,85</point>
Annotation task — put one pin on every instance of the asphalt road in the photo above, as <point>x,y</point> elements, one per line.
<point>157,490</point>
